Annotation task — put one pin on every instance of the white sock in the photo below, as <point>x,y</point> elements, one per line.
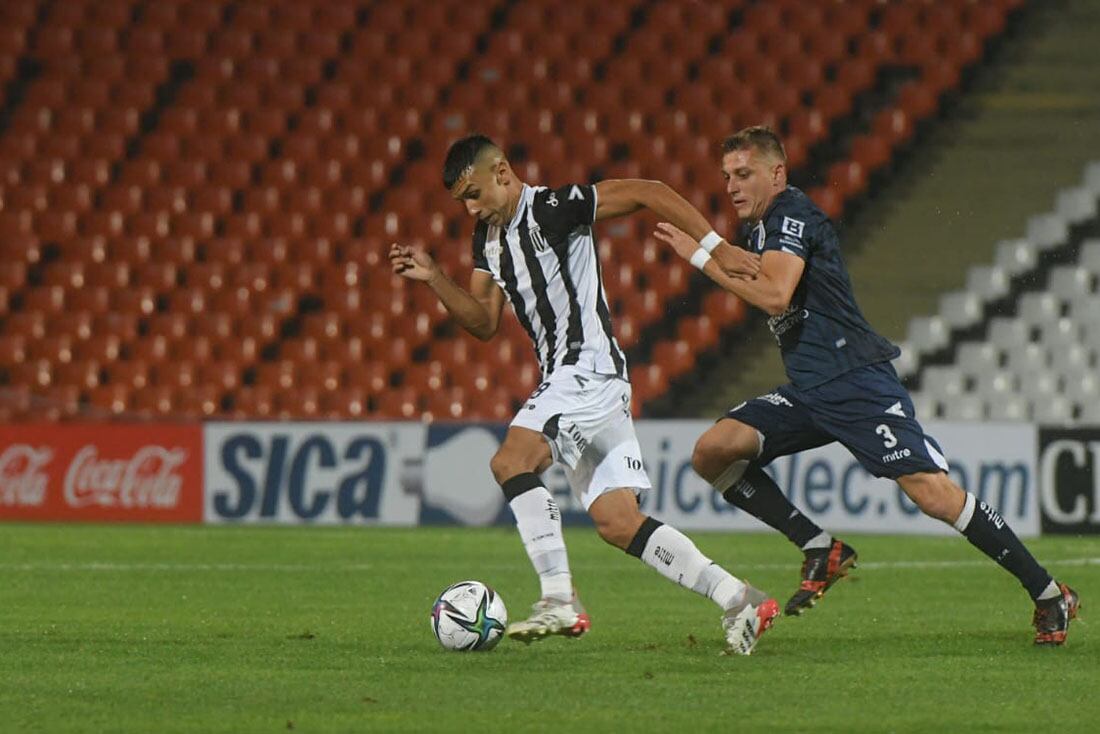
<point>1050,592</point>
<point>676,558</point>
<point>539,523</point>
<point>821,540</point>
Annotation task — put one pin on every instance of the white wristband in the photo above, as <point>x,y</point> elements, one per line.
<point>700,258</point>
<point>710,240</point>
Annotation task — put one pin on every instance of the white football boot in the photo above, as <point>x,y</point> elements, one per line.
<point>745,624</point>
<point>551,617</point>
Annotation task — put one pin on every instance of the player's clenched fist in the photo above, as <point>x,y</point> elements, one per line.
<point>411,262</point>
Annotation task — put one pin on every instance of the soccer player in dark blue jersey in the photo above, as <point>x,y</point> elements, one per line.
<point>842,388</point>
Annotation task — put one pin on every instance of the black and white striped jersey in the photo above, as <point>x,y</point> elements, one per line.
<point>546,262</point>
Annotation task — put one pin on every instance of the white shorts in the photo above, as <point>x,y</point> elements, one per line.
<point>585,417</point>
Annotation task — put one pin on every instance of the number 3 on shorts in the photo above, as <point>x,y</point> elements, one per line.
<point>887,435</point>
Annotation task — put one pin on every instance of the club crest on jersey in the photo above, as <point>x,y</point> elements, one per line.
<point>793,227</point>
<point>552,199</point>
<point>540,243</point>
<point>758,236</point>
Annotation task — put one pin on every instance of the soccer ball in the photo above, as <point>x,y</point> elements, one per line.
<point>469,616</point>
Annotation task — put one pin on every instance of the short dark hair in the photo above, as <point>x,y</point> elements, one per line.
<point>758,137</point>
<point>461,155</point>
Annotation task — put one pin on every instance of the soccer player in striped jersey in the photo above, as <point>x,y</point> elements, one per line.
<point>533,246</point>
<point>842,388</point>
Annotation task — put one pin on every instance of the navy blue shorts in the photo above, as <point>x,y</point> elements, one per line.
<point>867,410</point>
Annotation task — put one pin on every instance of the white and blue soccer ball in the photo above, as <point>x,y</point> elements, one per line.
<point>469,616</point>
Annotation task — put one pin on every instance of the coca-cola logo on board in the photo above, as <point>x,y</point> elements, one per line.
<point>146,479</point>
<point>22,481</point>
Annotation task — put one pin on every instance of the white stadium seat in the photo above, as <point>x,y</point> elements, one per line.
<point>1081,384</point>
<point>1085,308</point>
<point>1072,358</point>
<point>1089,413</point>
<point>1047,231</point>
<point>960,308</point>
<point>1090,335</point>
<point>988,282</point>
<point>964,408</point>
<point>1016,256</point>
<point>1008,408</point>
<point>1075,205</point>
<point>976,357</point>
<point>1092,178</point>
<point>1037,384</point>
<point>1059,335</point>
<point>1039,307</point>
<point>1008,333</point>
<point>928,333</point>
<point>942,382</point>
<point>926,405</point>
<point>997,384</point>
<point>1027,358</point>
<point>1052,409</point>
<point>906,363</point>
<point>1089,257</point>
<point>1068,281</point>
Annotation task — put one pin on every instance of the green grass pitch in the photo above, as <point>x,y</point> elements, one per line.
<point>326,629</point>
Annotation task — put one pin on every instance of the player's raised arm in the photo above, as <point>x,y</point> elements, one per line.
<point>617,197</point>
<point>773,287</point>
<point>476,310</point>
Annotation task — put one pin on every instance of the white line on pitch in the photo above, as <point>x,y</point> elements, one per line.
<point>318,568</point>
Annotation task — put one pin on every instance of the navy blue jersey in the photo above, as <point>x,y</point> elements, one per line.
<point>823,333</point>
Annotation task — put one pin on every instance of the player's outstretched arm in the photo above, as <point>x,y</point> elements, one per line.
<point>773,287</point>
<point>616,197</point>
<point>476,310</point>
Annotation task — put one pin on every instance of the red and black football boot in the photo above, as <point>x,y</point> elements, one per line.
<point>821,569</point>
<point>1052,616</point>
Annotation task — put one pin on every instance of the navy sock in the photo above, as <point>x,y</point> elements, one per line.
<point>988,532</point>
<point>757,494</point>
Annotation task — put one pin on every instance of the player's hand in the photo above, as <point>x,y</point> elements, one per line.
<point>734,261</point>
<point>679,240</point>
<point>412,263</point>
<point>737,263</point>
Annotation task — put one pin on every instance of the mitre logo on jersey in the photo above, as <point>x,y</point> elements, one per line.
<point>576,193</point>
<point>146,479</point>
<point>492,250</point>
<point>776,399</point>
<point>22,481</point>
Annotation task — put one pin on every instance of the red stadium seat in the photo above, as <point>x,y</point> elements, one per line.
<point>253,402</point>
<point>33,373</point>
<point>155,401</point>
<point>111,399</point>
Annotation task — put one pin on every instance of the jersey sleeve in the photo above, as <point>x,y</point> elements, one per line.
<point>788,229</point>
<point>564,209</point>
<point>480,233</point>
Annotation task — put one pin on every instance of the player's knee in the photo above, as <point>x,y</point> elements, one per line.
<point>712,455</point>
<point>505,465</point>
